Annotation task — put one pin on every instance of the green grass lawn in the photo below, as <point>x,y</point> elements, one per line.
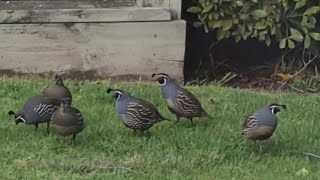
<point>214,149</point>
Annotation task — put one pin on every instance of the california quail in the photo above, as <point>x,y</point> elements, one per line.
<point>179,100</point>
<point>37,109</point>
<point>58,90</point>
<point>67,120</point>
<point>261,124</point>
<point>136,114</point>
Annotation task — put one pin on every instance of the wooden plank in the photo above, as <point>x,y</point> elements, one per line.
<point>103,49</point>
<point>63,4</point>
<point>173,5</point>
<point>84,15</point>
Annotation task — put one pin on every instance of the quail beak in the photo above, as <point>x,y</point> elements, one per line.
<point>109,90</point>
<point>113,95</point>
<point>17,121</point>
<point>283,106</point>
<point>155,76</point>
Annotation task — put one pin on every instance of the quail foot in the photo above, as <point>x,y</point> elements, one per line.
<point>180,101</point>
<point>67,120</point>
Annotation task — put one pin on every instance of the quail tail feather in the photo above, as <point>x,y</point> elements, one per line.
<point>205,114</point>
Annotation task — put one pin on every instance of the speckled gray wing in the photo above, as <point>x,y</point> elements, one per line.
<point>250,124</point>
<point>142,115</point>
<point>37,110</point>
<point>151,110</point>
<point>188,104</point>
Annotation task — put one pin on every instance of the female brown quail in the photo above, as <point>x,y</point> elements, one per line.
<point>67,120</point>
<point>58,90</point>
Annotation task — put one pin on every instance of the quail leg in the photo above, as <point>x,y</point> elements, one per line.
<point>257,145</point>
<point>178,119</point>
<point>48,126</point>
<point>147,133</point>
<point>37,126</point>
<point>191,122</point>
<point>134,131</point>
<point>260,146</point>
<point>73,138</point>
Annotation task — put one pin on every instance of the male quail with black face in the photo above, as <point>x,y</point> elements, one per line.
<point>260,125</point>
<point>67,120</point>
<point>37,109</point>
<point>179,100</point>
<point>136,114</point>
<point>58,90</point>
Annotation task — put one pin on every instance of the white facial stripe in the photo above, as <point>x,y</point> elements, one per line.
<point>164,82</point>
<point>273,108</point>
<point>21,118</point>
<point>119,94</point>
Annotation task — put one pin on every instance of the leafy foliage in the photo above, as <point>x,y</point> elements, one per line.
<point>287,22</point>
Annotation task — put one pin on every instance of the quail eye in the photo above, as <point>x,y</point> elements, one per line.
<point>161,80</point>
<point>117,96</point>
<point>275,110</point>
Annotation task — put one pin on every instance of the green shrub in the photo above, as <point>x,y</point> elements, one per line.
<point>290,23</point>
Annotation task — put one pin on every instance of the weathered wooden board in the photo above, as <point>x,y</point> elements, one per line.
<point>85,15</point>
<point>105,49</point>
<point>173,5</point>
<point>63,4</point>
